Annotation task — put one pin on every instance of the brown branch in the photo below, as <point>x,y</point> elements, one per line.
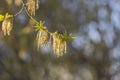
<point>19,11</point>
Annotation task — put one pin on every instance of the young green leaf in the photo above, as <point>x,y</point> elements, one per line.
<point>1,17</point>
<point>40,26</point>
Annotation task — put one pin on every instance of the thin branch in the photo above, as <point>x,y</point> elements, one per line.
<point>24,6</point>
<point>31,16</point>
<point>28,13</point>
<point>19,11</point>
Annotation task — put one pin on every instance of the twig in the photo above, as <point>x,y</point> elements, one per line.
<point>28,13</point>
<point>24,6</point>
<point>31,16</point>
<point>19,11</point>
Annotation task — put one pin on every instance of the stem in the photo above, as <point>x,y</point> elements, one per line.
<point>29,14</point>
<point>19,11</point>
<point>24,6</point>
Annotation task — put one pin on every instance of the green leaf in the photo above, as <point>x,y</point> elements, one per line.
<point>40,26</point>
<point>1,17</point>
<point>41,23</point>
<point>37,27</point>
<point>68,37</point>
<point>7,15</point>
<point>71,37</point>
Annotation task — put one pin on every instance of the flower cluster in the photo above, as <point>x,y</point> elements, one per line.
<point>32,6</point>
<point>7,24</point>
<point>42,37</point>
<point>59,45</point>
<point>58,41</point>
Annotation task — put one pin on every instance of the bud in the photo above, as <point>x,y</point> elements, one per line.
<point>7,24</point>
<point>32,6</point>
<point>42,37</point>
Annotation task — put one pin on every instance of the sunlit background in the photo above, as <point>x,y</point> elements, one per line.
<point>93,55</point>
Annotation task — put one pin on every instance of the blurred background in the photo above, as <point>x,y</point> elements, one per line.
<point>93,55</point>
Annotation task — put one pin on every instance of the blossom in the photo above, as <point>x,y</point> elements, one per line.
<point>7,24</point>
<point>32,6</point>
<point>42,37</point>
<point>59,45</point>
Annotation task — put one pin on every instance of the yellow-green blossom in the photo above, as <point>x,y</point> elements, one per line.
<point>59,46</point>
<point>42,37</point>
<point>7,24</point>
<point>32,6</point>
